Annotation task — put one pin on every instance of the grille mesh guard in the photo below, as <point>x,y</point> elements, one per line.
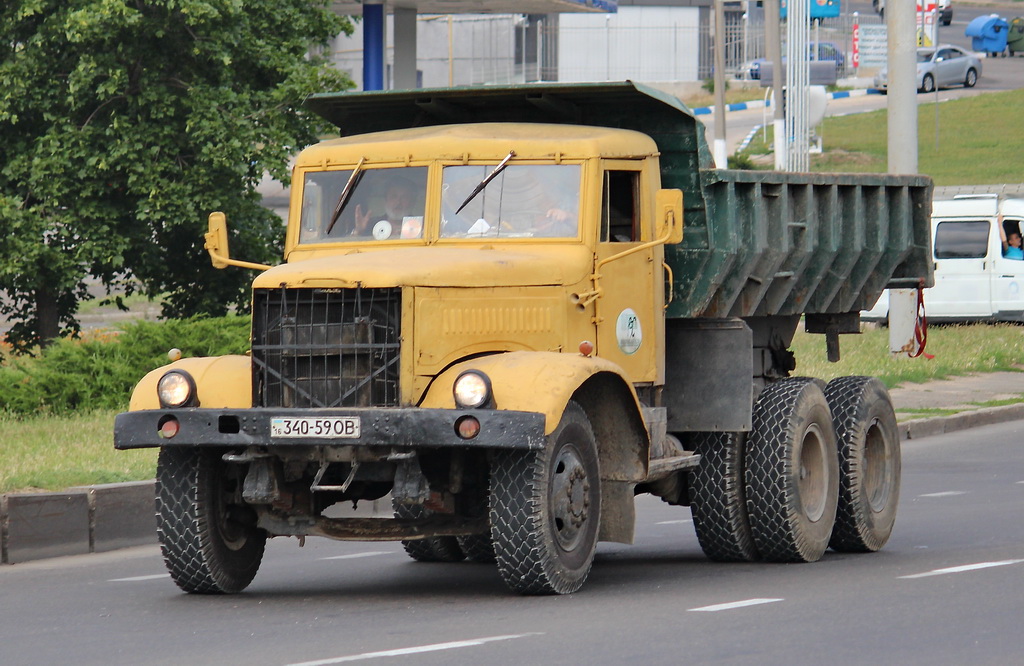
<point>326,347</point>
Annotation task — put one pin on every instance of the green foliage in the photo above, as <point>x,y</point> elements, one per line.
<point>709,85</point>
<point>100,371</point>
<point>122,125</point>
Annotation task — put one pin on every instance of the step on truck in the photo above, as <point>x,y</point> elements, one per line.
<point>509,311</point>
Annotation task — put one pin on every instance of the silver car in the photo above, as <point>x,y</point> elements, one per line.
<point>941,66</point>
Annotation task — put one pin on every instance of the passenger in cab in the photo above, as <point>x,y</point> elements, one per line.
<point>1011,241</point>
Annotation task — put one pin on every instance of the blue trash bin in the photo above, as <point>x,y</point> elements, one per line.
<point>988,34</point>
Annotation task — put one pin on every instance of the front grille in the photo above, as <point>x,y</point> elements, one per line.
<point>326,347</point>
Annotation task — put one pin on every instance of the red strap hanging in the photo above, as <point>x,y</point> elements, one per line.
<point>921,327</point>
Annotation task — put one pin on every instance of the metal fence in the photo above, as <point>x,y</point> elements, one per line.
<point>516,48</point>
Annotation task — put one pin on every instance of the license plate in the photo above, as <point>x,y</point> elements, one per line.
<point>327,427</point>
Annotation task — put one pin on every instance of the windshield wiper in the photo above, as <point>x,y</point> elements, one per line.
<point>346,194</point>
<point>483,183</point>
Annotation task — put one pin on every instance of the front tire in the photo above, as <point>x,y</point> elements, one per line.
<point>928,84</point>
<point>545,509</point>
<point>718,501</point>
<point>208,536</point>
<point>792,472</point>
<point>869,463</point>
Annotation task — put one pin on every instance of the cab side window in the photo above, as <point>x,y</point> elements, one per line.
<point>620,209</point>
<point>961,240</point>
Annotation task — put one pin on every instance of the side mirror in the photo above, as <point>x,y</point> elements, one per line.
<point>217,245</point>
<point>217,240</point>
<point>668,205</point>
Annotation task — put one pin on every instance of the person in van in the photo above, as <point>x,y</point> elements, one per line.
<point>1011,241</point>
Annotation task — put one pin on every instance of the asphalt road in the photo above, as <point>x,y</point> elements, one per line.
<point>947,589</point>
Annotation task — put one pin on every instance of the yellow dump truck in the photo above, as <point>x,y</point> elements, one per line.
<point>511,310</point>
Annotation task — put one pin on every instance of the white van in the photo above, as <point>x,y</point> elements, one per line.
<point>973,280</point>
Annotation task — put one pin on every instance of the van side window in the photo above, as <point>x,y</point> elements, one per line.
<point>619,210</point>
<point>961,240</point>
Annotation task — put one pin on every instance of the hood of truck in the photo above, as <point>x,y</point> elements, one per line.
<point>488,266</point>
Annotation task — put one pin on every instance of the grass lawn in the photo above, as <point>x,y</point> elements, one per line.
<point>968,141</point>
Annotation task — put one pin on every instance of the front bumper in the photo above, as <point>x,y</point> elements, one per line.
<point>404,427</point>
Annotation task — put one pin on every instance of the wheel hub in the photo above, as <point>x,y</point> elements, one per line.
<point>570,498</point>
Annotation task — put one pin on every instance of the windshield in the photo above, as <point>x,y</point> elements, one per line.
<point>382,204</point>
<point>925,56</point>
<point>522,201</point>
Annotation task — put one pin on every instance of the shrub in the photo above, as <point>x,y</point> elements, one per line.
<point>100,370</point>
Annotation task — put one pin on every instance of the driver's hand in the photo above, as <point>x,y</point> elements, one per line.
<point>362,221</point>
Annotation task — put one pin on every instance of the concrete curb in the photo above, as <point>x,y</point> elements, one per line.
<point>88,519</point>
<point>760,104</point>
<point>96,519</point>
<point>939,425</point>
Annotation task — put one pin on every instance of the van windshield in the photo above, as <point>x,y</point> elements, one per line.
<point>380,205</point>
<point>522,201</point>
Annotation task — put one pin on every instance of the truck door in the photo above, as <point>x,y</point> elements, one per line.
<point>631,320</point>
<point>963,265</point>
<point>1007,279</point>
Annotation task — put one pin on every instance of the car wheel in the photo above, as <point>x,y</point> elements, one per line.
<point>972,78</point>
<point>928,84</point>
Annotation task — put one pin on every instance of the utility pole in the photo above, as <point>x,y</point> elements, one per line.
<point>902,158</point>
<point>720,151</point>
<point>773,53</point>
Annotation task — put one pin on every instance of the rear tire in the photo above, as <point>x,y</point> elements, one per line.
<point>718,501</point>
<point>431,549</point>
<point>546,508</point>
<point>477,547</point>
<point>208,535</point>
<point>869,463</point>
<point>971,78</point>
<point>792,472</point>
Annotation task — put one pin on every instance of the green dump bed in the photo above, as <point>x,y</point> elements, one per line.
<point>755,242</point>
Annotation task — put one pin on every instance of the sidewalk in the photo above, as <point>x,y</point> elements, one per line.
<point>101,518</point>
<point>948,405</point>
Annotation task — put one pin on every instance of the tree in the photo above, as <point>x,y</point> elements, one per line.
<point>124,123</point>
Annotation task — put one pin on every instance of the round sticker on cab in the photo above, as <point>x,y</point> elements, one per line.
<point>628,331</point>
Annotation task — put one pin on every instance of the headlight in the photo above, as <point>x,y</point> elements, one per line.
<point>472,389</point>
<point>176,389</point>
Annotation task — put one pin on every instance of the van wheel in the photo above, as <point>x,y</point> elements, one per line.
<point>208,535</point>
<point>718,501</point>
<point>792,472</point>
<point>869,463</point>
<point>545,509</point>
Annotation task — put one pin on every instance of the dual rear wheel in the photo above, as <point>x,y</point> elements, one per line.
<point>820,468</point>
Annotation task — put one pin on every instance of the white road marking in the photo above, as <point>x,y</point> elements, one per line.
<point>961,569</point>
<point>948,493</point>
<point>734,604</point>
<point>414,650</point>
<point>355,556</point>
<point>674,522</point>
<point>138,578</point>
